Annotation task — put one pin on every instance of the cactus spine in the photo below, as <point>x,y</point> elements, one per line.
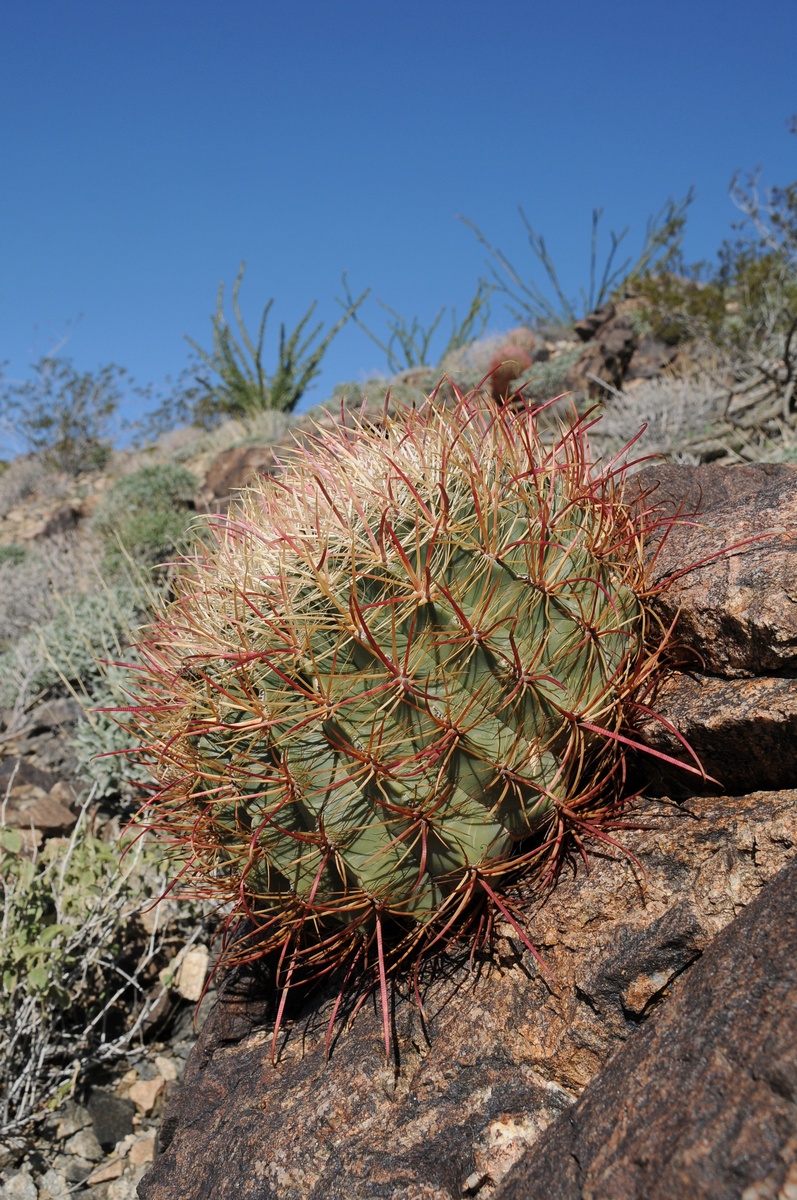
<point>397,680</point>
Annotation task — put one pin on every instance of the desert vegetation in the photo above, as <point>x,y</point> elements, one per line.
<point>89,533</point>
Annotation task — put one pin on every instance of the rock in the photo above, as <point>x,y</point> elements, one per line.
<point>608,352</point>
<point>166,1068</point>
<point>122,1189</point>
<point>19,1187</point>
<point>24,772</point>
<point>74,1170</point>
<point>85,1145</point>
<point>145,1092</point>
<point>744,731</point>
<point>52,1185</point>
<point>106,1172</point>
<point>649,359</point>
<point>53,714</point>
<point>60,520</point>
<point>615,351</point>
<point>142,1151</point>
<point>72,1117</point>
<point>703,1101</point>
<point>502,1052</point>
<point>735,701</point>
<point>111,1116</point>
<point>233,469</point>
<point>588,326</point>
<point>738,612</point>
<point>29,806</point>
<point>192,973</point>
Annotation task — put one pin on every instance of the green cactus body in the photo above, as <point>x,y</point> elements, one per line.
<point>396,677</point>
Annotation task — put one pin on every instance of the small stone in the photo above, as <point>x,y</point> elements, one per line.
<point>64,793</point>
<point>166,1068</point>
<point>112,1117</point>
<point>106,1172</point>
<point>143,1151</point>
<point>84,1145</point>
<point>122,1189</point>
<point>52,1185</point>
<point>77,1169</point>
<point>192,973</point>
<point>126,1082</point>
<point>643,989</point>
<point>145,1093</point>
<point>20,1187</point>
<point>72,1118</point>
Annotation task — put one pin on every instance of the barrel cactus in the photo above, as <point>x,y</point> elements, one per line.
<point>394,681</point>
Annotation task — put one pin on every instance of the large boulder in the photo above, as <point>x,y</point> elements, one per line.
<point>703,1102</point>
<point>502,1050</point>
<point>734,698</point>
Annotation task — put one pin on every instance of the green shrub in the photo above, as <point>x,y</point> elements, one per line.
<point>545,380</point>
<point>65,414</point>
<point>103,738</point>
<point>73,964</point>
<point>231,379</point>
<point>61,656</point>
<point>12,554</point>
<point>145,517</point>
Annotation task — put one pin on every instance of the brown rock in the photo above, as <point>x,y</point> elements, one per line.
<point>703,1102</point>
<point>615,352</point>
<point>143,1150</point>
<point>28,806</point>
<point>736,701</point>
<point>738,612</point>
<point>588,326</point>
<point>110,1170</point>
<point>235,468</point>
<point>649,359</point>
<point>501,1053</point>
<point>744,731</point>
<point>22,771</point>
<point>145,1092</point>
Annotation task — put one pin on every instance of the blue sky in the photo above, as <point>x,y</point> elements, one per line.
<point>148,146</point>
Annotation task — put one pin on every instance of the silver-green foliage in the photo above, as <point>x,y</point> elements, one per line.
<point>145,517</point>
<point>545,380</point>
<point>71,963</point>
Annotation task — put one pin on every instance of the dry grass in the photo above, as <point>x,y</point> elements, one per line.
<point>28,476</point>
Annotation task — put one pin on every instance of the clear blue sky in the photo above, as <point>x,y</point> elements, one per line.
<point>150,145</point>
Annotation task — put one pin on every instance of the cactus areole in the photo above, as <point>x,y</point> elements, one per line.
<point>397,679</point>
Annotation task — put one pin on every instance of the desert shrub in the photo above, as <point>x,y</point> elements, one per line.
<point>73,963</point>
<point>408,345</point>
<point>62,656</point>
<point>744,305</point>
<point>66,415</point>
<point>29,475</point>
<point>32,579</point>
<point>104,737</point>
<point>231,379</point>
<point>12,555</point>
<point>673,413</point>
<point>544,380</point>
<point>145,516</point>
<point>548,304</point>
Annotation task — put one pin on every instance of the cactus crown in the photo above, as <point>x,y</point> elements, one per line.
<point>398,679</point>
